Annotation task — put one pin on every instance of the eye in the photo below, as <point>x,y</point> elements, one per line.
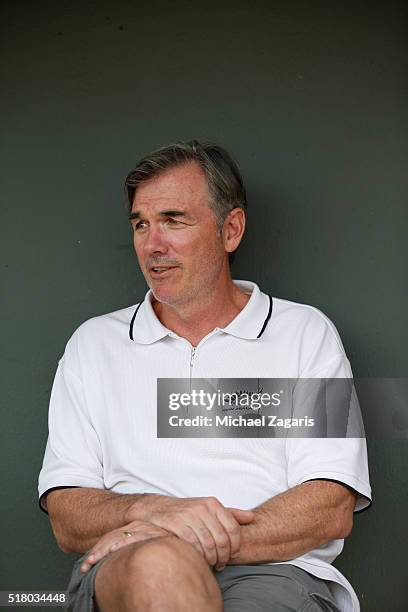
<point>172,221</point>
<point>140,225</point>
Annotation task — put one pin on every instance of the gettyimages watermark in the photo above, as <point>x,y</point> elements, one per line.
<point>253,407</point>
<point>281,407</point>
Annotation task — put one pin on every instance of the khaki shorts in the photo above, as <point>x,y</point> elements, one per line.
<point>245,588</point>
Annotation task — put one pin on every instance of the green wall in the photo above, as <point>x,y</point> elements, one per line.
<point>310,97</point>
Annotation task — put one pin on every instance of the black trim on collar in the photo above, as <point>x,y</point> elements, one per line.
<point>265,323</point>
<point>268,316</point>
<point>132,321</point>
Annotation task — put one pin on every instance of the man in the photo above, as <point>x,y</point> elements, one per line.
<point>201,523</point>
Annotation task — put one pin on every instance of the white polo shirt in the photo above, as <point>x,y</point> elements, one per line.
<point>102,418</point>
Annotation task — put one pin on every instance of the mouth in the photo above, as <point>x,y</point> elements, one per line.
<point>161,271</point>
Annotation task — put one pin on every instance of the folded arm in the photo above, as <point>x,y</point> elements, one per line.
<point>284,527</point>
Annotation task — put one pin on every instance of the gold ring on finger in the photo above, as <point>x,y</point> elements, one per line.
<point>127,534</point>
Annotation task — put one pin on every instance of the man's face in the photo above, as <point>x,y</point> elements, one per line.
<point>179,249</point>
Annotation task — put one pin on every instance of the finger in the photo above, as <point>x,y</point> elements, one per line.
<point>85,566</point>
<point>88,562</point>
<point>96,554</point>
<point>92,558</point>
<point>233,531</point>
<point>103,547</point>
<point>206,539</point>
<point>221,535</point>
<point>185,532</point>
<point>125,541</point>
<point>244,517</point>
<point>138,537</point>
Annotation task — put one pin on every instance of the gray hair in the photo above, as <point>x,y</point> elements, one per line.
<point>222,172</point>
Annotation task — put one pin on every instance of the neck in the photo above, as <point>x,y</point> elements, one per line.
<point>195,319</point>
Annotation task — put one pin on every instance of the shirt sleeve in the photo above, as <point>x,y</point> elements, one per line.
<point>341,459</point>
<point>73,456</point>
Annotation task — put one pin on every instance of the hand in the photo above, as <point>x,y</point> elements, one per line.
<point>113,540</point>
<point>204,522</point>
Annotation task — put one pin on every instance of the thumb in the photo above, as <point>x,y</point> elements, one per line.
<point>243,516</point>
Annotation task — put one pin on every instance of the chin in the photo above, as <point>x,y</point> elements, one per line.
<point>163,294</point>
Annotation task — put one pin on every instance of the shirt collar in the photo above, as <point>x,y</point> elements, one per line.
<point>250,322</point>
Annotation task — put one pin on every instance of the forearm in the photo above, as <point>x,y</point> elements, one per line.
<point>295,522</point>
<point>81,516</point>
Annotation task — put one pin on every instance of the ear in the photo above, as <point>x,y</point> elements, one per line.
<point>233,229</point>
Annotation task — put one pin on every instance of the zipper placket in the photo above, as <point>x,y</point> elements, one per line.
<point>192,356</point>
<point>193,352</point>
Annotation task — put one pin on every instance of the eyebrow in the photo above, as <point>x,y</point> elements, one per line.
<point>163,213</point>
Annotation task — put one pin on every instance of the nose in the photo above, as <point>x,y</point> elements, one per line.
<point>155,241</point>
